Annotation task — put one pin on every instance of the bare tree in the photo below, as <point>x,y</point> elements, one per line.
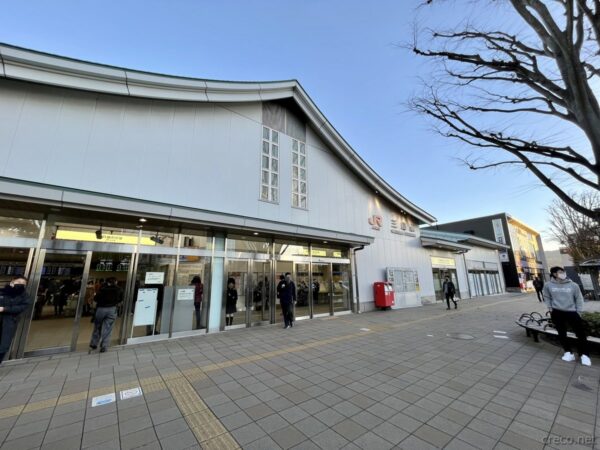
<point>576,232</point>
<point>546,70</point>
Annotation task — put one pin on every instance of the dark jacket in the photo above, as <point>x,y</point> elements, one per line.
<point>198,293</point>
<point>108,295</point>
<point>286,292</point>
<point>538,285</point>
<point>231,302</point>
<point>448,287</point>
<point>14,306</point>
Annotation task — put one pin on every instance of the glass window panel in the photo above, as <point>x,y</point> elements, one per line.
<point>265,162</point>
<point>265,133</point>
<point>303,202</point>
<point>274,179</point>
<point>17,227</point>
<point>275,136</point>
<point>294,145</point>
<point>275,151</point>
<point>274,165</point>
<point>265,147</point>
<point>295,200</point>
<point>265,177</point>
<point>294,185</point>
<point>302,188</point>
<point>265,193</point>
<point>274,195</point>
<point>303,161</point>
<point>303,174</point>
<point>295,158</point>
<point>295,172</point>
<point>302,148</point>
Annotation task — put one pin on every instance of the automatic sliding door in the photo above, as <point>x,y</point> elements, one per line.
<point>321,289</point>
<point>302,280</point>
<point>259,310</point>
<point>341,287</point>
<point>57,299</point>
<point>236,297</point>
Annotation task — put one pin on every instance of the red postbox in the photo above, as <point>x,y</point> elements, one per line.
<point>384,294</point>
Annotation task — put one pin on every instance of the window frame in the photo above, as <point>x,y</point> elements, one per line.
<point>297,178</point>
<point>269,185</point>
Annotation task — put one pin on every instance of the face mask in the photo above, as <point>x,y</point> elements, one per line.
<point>562,276</point>
<point>16,289</point>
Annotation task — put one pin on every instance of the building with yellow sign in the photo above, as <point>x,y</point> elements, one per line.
<point>523,259</point>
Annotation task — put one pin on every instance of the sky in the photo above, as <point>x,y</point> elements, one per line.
<point>347,54</point>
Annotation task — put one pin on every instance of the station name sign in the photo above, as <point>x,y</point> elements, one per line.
<point>399,224</point>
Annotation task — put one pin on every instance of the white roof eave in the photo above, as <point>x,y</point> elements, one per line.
<point>28,65</point>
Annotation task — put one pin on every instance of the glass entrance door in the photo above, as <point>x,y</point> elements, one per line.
<point>65,285</point>
<point>259,310</point>
<point>341,274</point>
<point>302,280</point>
<point>58,296</point>
<point>321,289</point>
<point>236,297</point>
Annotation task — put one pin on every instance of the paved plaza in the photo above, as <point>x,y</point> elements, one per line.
<point>395,379</point>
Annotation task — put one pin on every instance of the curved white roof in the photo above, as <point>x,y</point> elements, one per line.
<point>37,67</point>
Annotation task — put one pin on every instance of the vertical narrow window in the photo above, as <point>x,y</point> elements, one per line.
<point>269,180</point>
<point>299,191</point>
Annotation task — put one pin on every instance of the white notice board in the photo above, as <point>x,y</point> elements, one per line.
<point>586,281</point>
<point>186,294</point>
<point>145,307</point>
<point>154,278</point>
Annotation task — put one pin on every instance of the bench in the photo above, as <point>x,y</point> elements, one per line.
<point>534,323</point>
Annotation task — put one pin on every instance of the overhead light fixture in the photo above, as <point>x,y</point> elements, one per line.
<point>142,220</point>
<point>99,233</point>
<point>324,242</point>
<point>255,233</point>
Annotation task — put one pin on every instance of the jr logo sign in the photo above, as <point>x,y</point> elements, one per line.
<point>376,222</point>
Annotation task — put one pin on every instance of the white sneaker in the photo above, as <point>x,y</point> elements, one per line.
<point>585,360</point>
<point>568,356</point>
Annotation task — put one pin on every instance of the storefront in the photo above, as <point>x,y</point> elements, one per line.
<point>66,264</point>
<point>472,263</point>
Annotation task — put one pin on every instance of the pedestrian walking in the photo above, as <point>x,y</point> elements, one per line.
<point>286,291</point>
<point>107,299</point>
<point>539,286</point>
<point>231,302</point>
<point>449,291</point>
<point>13,302</point>
<point>198,296</point>
<point>565,303</point>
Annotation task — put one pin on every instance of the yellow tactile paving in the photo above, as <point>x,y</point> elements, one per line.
<point>11,412</point>
<point>223,442</point>
<point>101,391</point>
<point>153,387</point>
<point>36,406</point>
<point>203,423</point>
<point>72,398</point>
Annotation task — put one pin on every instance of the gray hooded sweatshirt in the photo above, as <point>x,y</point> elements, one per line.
<point>564,295</point>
